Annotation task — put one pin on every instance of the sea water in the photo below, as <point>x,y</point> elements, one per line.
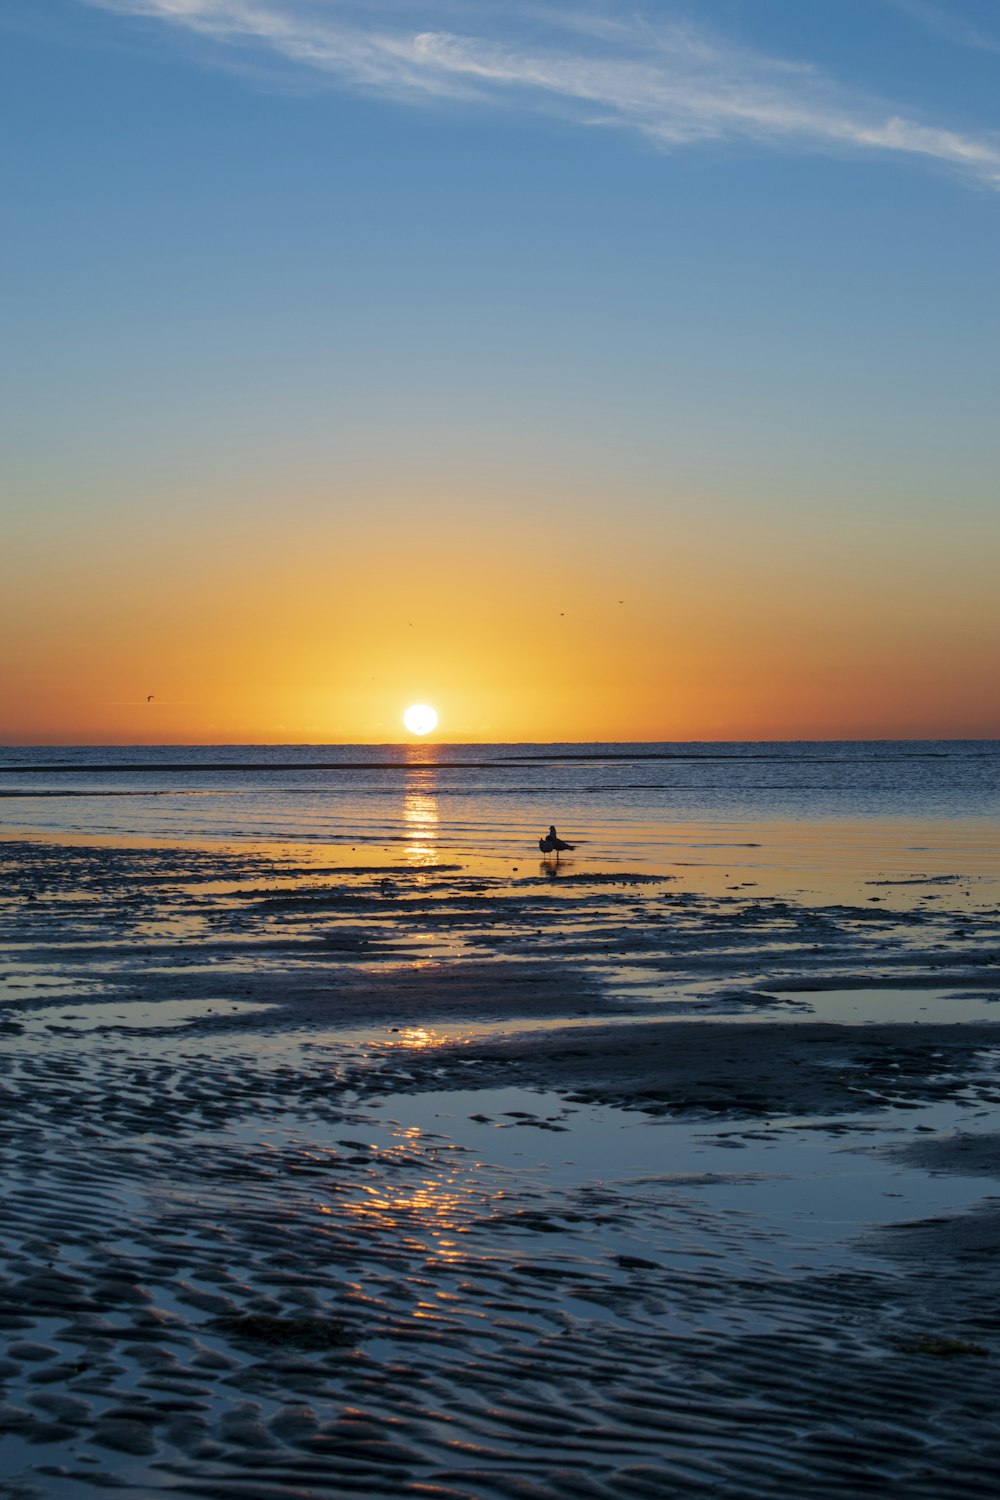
<point>926,808</point>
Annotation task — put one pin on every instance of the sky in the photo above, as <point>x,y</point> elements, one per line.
<point>587,371</point>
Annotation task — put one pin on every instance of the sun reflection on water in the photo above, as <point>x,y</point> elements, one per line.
<point>428,1214</point>
<point>421,820</point>
<point>420,1037</point>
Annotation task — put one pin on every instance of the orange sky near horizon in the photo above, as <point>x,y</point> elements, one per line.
<point>310,623</point>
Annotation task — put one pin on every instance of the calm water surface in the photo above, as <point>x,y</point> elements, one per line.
<point>812,808</point>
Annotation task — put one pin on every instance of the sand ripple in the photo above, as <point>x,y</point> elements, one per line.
<point>494,1344</point>
<point>236,1261</point>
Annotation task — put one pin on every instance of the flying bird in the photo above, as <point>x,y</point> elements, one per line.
<point>149,697</point>
<point>552,843</point>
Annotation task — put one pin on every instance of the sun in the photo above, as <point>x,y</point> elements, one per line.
<point>420,718</point>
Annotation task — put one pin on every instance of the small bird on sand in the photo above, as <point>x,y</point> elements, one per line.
<point>552,843</point>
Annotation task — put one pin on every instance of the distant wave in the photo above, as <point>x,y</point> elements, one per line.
<point>182,767</point>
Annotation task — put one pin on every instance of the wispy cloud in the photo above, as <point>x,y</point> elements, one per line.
<point>949,23</point>
<point>673,83</point>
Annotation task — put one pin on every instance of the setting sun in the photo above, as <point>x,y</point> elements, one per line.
<point>420,718</point>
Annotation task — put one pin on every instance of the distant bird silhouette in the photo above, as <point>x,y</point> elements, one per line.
<point>149,697</point>
<point>553,844</point>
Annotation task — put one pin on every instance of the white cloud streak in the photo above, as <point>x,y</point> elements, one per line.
<point>948,23</point>
<point>670,82</point>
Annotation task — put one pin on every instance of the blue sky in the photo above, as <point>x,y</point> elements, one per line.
<point>706,177</point>
<point>731,262</point>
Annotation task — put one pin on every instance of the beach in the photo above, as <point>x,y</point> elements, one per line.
<point>500,750</point>
<point>331,1172</point>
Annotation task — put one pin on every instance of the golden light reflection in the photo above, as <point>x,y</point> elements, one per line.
<point>423,1038</point>
<point>419,1036</point>
<point>419,1215</point>
<point>420,818</point>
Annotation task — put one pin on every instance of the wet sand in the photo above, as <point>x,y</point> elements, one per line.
<point>415,1181</point>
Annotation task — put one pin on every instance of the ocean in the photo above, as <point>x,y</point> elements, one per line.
<point>330,1162</point>
<point>771,808</point>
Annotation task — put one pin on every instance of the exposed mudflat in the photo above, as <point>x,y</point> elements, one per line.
<point>410,1182</point>
<point>727,1068</point>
